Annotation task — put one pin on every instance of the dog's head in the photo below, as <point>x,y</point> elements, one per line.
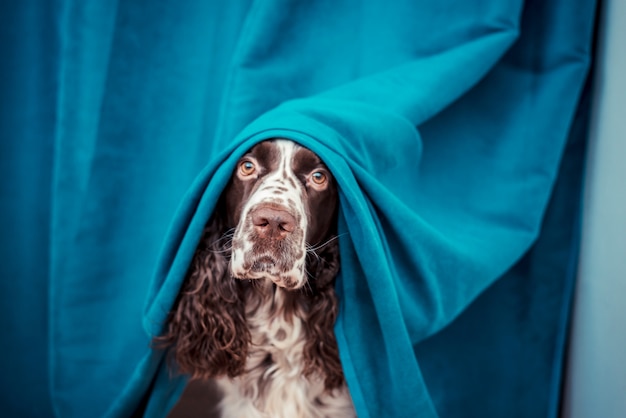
<point>282,201</point>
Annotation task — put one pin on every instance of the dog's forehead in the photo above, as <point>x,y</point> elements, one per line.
<point>267,153</point>
<point>284,153</point>
<point>305,160</point>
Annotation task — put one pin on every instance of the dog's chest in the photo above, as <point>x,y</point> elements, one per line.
<point>274,384</point>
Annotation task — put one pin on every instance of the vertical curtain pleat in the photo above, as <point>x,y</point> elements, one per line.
<point>28,45</point>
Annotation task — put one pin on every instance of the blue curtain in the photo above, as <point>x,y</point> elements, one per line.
<point>456,130</point>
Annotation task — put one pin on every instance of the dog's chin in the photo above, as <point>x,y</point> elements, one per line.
<point>264,269</point>
<point>264,265</point>
<point>287,282</point>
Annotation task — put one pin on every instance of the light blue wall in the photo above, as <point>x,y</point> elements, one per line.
<point>597,371</point>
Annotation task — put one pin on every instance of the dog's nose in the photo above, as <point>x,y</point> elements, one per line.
<point>273,223</point>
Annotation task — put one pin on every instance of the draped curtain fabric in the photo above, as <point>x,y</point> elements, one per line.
<point>455,129</point>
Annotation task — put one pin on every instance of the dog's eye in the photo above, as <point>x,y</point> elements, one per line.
<point>247,168</point>
<point>319,178</point>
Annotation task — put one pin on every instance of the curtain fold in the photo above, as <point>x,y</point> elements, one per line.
<point>27,115</point>
<point>455,130</point>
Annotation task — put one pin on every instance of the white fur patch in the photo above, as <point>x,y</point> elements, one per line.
<point>280,390</point>
<point>291,197</point>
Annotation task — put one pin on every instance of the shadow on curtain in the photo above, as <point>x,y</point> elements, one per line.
<point>456,130</point>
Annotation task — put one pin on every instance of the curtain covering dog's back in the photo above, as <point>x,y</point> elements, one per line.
<point>455,130</point>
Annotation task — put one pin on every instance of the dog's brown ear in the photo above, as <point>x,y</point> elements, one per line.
<point>206,331</point>
<point>321,353</point>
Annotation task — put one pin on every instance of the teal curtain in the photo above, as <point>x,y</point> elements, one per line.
<point>456,131</point>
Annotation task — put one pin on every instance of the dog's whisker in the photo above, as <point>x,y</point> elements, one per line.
<point>322,245</point>
<point>225,250</point>
<point>307,286</point>
<point>313,253</point>
<point>225,237</point>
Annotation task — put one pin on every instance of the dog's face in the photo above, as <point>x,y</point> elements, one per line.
<point>281,200</point>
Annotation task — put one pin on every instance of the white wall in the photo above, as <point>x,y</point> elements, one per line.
<point>596,385</point>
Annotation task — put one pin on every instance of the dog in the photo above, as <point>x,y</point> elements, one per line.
<point>258,306</point>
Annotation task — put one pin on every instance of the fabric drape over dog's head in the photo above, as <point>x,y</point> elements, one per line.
<point>429,216</point>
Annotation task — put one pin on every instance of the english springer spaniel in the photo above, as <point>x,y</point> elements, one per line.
<point>258,306</point>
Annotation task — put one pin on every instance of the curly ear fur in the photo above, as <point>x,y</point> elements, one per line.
<point>207,329</point>
<point>321,353</point>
